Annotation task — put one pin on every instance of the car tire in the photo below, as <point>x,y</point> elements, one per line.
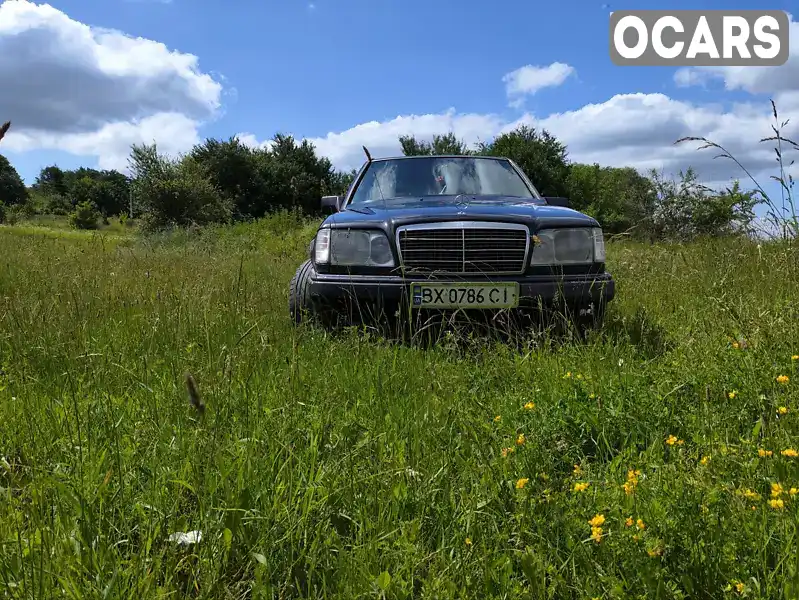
<point>301,306</point>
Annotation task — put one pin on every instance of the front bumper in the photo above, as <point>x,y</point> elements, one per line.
<point>569,289</point>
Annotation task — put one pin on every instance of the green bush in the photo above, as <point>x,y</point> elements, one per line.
<point>85,216</point>
<point>56,204</point>
<point>175,193</point>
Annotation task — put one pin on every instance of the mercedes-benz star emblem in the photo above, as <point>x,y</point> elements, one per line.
<point>462,203</point>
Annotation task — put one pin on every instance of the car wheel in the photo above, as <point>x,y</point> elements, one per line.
<point>301,305</point>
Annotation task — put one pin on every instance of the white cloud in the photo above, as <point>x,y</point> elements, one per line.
<point>637,130</point>
<point>755,80</point>
<point>94,91</point>
<point>529,79</point>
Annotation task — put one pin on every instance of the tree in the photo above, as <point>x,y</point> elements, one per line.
<point>85,216</point>
<point>109,191</point>
<point>174,193</point>
<point>619,198</point>
<point>441,145</point>
<point>12,188</point>
<point>50,181</point>
<point>540,155</point>
<point>296,177</point>
<point>235,170</point>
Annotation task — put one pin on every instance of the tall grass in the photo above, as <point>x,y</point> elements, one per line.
<point>348,467</point>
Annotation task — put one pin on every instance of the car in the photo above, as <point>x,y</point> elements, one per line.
<point>450,233</point>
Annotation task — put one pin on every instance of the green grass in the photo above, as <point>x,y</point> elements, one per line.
<point>349,467</point>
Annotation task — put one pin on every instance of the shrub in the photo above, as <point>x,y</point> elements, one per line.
<point>2,212</point>
<point>56,204</point>
<point>85,216</point>
<point>175,193</point>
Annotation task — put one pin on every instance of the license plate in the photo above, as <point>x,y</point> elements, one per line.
<point>465,295</point>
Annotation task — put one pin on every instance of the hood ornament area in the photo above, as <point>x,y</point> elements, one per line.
<point>462,203</point>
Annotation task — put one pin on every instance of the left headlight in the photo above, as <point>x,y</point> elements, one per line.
<point>568,246</point>
<point>353,247</point>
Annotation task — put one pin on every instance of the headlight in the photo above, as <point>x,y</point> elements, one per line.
<point>353,247</point>
<point>568,246</point>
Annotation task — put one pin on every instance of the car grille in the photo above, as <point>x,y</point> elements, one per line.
<point>461,247</point>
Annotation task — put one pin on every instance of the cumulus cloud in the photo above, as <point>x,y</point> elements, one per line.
<point>637,130</point>
<point>93,91</point>
<point>755,80</point>
<point>529,79</point>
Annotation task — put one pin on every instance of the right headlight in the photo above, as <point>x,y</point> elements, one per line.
<point>568,246</point>
<point>353,247</point>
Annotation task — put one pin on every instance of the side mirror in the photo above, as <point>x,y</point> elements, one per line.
<point>557,201</point>
<point>330,204</point>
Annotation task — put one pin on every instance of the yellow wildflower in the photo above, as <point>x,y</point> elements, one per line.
<point>739,587</point>
<point>567,375</point>
<point>591,396</point>
<point>705,460</point>
<point>581,486</point>
<point>520,439</point>
<point>790,453</point>
<point>793,491</point>
<point>577,470</point>
<point>521,483</point>
<point>632,481</point>
<point>782,410</point>
<point>529,406</point>
<point>732,394</point>
<point>468,541</point>
<point>653,552</point>
<point>795,357</point>
<point>673,440</point>
<point>597,520</point>
<point>736,345</point>
<point>783,379</point>
<point>776,504</point>
<point>497,419</point>
<point>596,534</point>
<point>754,507</point>
<point>751,495</point>
<point>776,490</point>
<point>629,522</point>
<point>640,524</point>
<point>763,453</point>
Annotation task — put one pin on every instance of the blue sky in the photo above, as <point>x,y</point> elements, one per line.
<point>321,69</point>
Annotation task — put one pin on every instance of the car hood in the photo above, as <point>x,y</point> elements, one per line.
<point>393,213</point>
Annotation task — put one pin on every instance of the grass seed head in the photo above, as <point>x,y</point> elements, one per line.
<point>194,394</point>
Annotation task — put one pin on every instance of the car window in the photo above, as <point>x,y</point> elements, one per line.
<point>386,180</point>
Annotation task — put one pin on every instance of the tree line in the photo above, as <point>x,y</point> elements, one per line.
<point>222,181</point>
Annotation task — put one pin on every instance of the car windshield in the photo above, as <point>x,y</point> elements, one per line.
<point>401,178</point>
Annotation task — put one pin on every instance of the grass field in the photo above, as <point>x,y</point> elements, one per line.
<point>350,467</point>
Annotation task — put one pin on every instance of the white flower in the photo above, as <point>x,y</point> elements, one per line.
<point>186,538</point>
